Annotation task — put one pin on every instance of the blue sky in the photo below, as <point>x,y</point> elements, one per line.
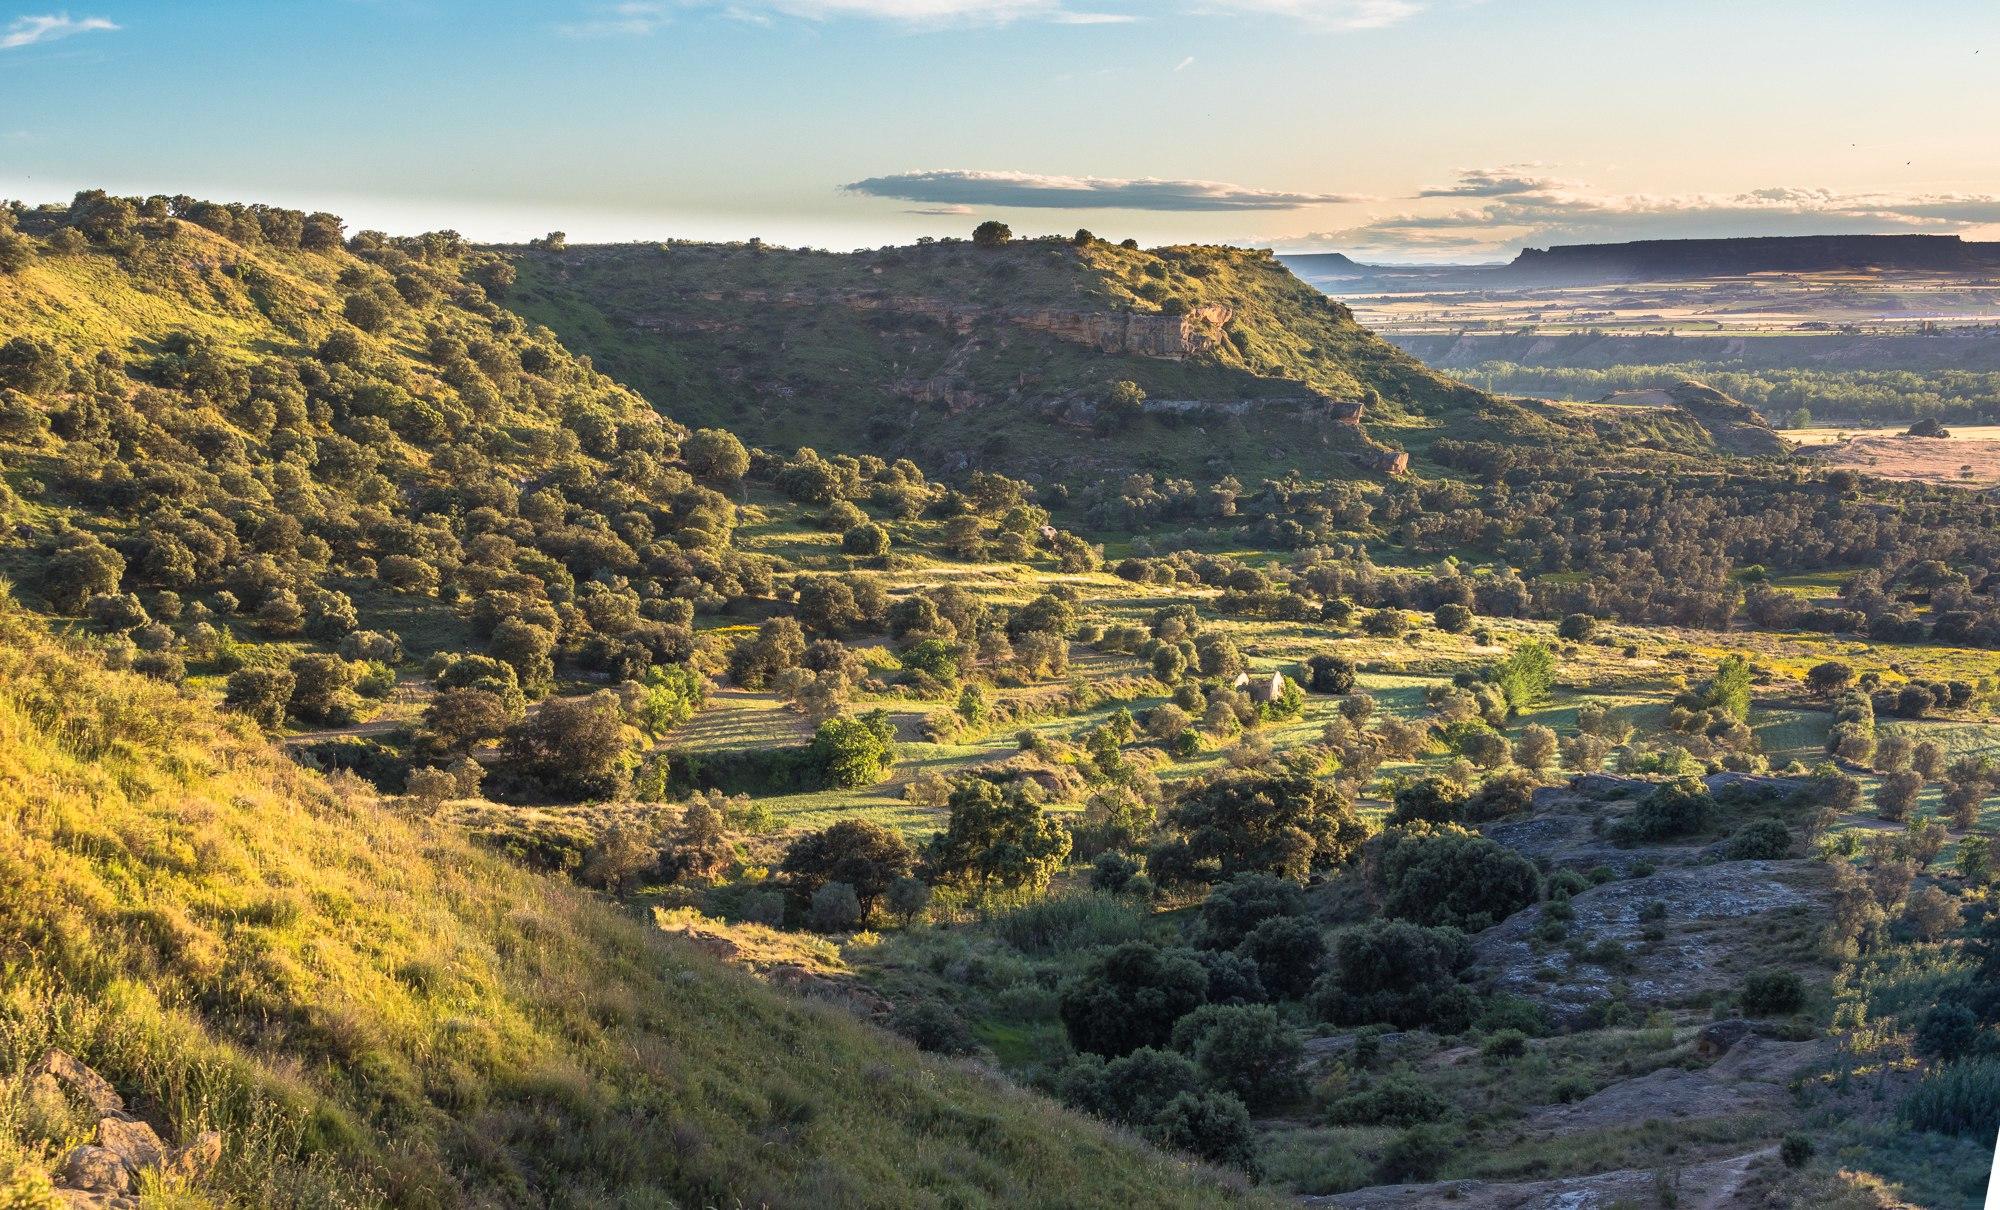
<point>1395,129</point>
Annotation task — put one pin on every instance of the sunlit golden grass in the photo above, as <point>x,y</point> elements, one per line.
<point>372,1010</point>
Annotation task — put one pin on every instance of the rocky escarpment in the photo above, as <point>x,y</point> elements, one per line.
<point>1191,333</point>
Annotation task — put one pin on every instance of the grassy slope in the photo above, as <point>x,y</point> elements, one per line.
<point>370,1008</point>
<point>787,374</point>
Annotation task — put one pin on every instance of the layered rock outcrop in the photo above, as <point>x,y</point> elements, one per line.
<point>1197,331</point>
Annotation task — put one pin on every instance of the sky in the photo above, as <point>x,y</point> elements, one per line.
<point>1393,130</point>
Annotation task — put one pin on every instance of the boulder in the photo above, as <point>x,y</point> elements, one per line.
<point>94,1169</point>
<point>196,1159</point>
<point>1716,1038</point>
<point>132,1141</point>
<point>63,1071</point>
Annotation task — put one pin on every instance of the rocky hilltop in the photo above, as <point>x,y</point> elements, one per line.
<point>1057,359</point>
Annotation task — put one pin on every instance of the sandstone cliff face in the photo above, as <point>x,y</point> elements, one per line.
<point>1133,333</point>
<point>1130,333</point>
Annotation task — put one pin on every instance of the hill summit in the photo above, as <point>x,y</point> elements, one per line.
<point>1059,358</point>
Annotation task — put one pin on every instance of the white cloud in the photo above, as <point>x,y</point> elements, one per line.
<point>28,31</point>
<point>1325,14</point>
<point>1515,210</point>
<point>963,187</point>
<point>634,19</point>
<point>638,19</point>
<point>1184,64</point>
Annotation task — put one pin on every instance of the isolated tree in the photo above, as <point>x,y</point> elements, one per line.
<point>998,838</point>
<point>854,752</point>
<point>1452,618</point>
<point>1330,674</point>
<point>1536,749</point>
<point>1577,628</point>
<point>1896,796</point>
<point>715,454</point>
<point>991,234</point>
<point>575,746</point>
<point>867,539</point>
<point>869,858</point>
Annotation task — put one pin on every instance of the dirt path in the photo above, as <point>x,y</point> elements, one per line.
<point>1717,1185</point>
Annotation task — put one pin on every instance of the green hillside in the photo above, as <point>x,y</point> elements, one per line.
<point>371,1009</point>
<point>1006,357</point>
<point>264,466</point>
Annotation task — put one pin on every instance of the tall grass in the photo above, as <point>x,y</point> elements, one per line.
<point>372,1010</point>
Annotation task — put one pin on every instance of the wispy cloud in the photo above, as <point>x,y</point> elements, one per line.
<point>634,19</point>
<point>1184,64</point>
<point>1325,14</point>
<point>962,187</point>
<point>1516,210</point>
<point>30,31</point>
<point>916,13</point>
<point>639,19</point>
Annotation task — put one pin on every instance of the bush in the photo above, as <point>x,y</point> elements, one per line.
<point>1416,1155</point>
<point>1399,974</point>
<point>1130,996</point>
<point>1506,1044</point>
<point>1235,907</point>
<point>1247,1050</point>
<point>1287,951</point>
<point>1396,1101</point>
<point>934,1027</point>
<point>1773,993</point>
<point>1069,924</point>
<point>1451,877</point>
<point>854,752</point>
<point>1760,840</point>
<point>1796,1151</point>
<point>1211,1125</point>
<point>834,909</point>
<point>1682,807</point>
<point>1132,1089</point>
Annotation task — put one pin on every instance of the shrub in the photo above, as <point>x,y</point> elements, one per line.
<point>854,752</point>
<point>1399,974</point>
<point>1396,1101</point>
<point>1796,1151</point>
<point>1131,1089</point>
<point>934,1027</point>
<point>1247,1050</point>
<point>1235,907</point>
<point>1505,1044</point>
<point>1451,877</point>
<point>1416,1154</point>
<point>1213,1126</point>
<point>1682,807</point>
<point>1287,951</point>
<point>834,909</point>
<point>1130,996</point>
<point>1773,993</point>
<point>1069,924</point>
<point>1760,840</point>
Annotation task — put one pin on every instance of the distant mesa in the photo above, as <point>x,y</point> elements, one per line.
<point>1661,260</point>
<point>1682,258</point>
